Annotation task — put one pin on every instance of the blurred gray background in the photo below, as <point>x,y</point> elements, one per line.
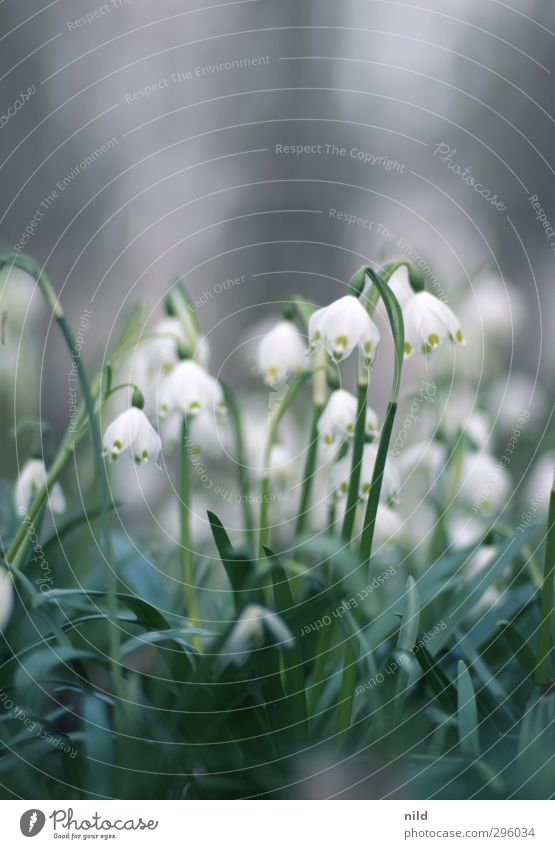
<point>191,99</point>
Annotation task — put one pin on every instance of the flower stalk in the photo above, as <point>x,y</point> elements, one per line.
<point>541,675</point>
<point>395,316</point>
<point>319,398</point>
<point>358,447</point>
<point>187,571</point>
<point>298,381</point>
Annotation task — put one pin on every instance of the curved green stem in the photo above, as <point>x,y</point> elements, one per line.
<point>35,270</point>
<point>187,571</point>
<point>395,317</point>
<point>298,381</point>
<point>319,398</point>
<point>356,461</point>
<point>242,468</point>
<point>541,675</point>
<point>308,472</point>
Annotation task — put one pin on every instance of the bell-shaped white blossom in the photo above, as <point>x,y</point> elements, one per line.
<point>388,526</point>
<point>6,598</point>
<point>191,390</point>
<point>338,419</point>
<point>484,483</point>
<point>341,473</point>
<point>257,626</point>
<point>30,481</point>
<point>281,352</point>
<point>428,323</point>
<point>343,326</point>
<point>132,430</point>
<point>157,355</point>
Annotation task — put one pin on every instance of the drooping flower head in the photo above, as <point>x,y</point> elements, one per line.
<point>281,351</point>
<point>428,323</point>
<point>132,430</point>
<point>191,390</point>
<point>30,481</point>
<point>343,326</point>
<point>342,471</point>
<point>256,627</point>
<point>338,420</point>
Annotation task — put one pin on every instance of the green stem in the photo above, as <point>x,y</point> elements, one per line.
<point>356,463</point>
<point>298,381</point>
<point>546,608</point>
<point>395,317</point>
<point>35,270</point>
<point>367,536</point>
<point>242,468</point>
<point>319,398</point>
<point>189,590</point>
<point>308,472</point>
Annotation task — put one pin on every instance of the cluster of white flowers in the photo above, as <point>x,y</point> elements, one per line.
<point>171,367</point>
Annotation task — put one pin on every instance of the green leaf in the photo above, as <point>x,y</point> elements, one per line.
<point>467,713</point>
<point>472,591</point>
<point>98,743</point>
<point>519,647</point>
<point>437,679</point>
<point>130,331</point>
<point>239,567</point>
<point>346,694</point>
<point>293,661</point>
<point>144,612</point>
<point>408,631</point>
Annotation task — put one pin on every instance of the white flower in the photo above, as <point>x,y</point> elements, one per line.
<point>190,389</point>
<point>32,479</point>
<point>132,430</point>
<point>255,627</point>
<point>19,298</point>
<point>388,525</point>
<point>342,472</point>
<point>6,598</point>
<point>428,323</point>
<point>343,326</point>
<point>493,308</point>
<point>210,434</point>
<point>424,458</point>
<point>339,417</point>
<point>280,352</point>
<point>484,483</point>
<point>159,353</point>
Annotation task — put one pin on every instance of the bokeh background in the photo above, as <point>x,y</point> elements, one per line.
<point>192,182</point>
